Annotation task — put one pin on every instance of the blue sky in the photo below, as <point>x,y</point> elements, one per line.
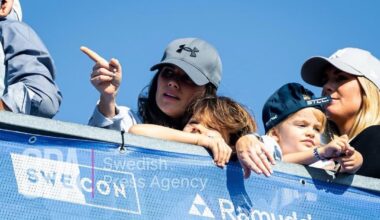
<point>262,44</point>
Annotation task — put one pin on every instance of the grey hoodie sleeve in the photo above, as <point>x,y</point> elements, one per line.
<point>29,75</point>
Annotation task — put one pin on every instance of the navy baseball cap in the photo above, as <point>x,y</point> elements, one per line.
<point>197,58</point>
<point>287,100</point>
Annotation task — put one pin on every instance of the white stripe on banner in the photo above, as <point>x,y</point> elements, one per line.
<point>36,177</point>
<point>62,181</point>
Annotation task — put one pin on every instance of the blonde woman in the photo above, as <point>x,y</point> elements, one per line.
<point>351,76</point>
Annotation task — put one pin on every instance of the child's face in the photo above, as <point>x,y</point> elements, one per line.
<point>199,125</point>
<point>300,132</point>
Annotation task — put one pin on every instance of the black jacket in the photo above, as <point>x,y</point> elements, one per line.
<point>368,144</point>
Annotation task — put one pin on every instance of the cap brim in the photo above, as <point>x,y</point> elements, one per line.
<point>313,69</point>
<point>194,74</point>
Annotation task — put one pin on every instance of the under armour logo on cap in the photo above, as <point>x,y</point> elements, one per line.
<point>188,49</point>
<point>196,57</point>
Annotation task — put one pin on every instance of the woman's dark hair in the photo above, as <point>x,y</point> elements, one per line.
<point>150,113</point>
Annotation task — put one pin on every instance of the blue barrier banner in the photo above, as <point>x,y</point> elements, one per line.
<point>58,178</point>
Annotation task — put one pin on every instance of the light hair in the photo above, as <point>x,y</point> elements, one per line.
<point>319,115</point>
<point>369,113</point>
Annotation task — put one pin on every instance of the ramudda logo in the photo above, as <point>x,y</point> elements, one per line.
<point>200,208</point>
<point>229,211</point>
<point>75,183</point>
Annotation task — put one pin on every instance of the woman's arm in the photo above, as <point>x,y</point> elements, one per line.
<point>221,151</point>
<point>337,147</point>
<point>161,132</point>
<point>302,157</point>
<point>333,149</point>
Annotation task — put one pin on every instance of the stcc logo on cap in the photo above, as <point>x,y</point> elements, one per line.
<point>188,49</point>
<point>320,101</point>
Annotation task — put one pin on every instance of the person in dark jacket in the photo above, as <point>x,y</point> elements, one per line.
<point>351,76</point>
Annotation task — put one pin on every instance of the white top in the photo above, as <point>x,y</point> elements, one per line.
<point>123,120</point>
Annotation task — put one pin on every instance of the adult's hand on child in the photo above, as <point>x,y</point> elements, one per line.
<point>254,156</point>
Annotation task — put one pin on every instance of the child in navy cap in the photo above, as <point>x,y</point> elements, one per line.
<point>294,121</point>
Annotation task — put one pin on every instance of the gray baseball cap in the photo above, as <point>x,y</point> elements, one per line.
<point>354,61</point>
<point>197,58</point>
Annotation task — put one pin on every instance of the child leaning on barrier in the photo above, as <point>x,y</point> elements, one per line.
<point>294,121</point>
<point>217,123</point>
<point>27,71</point>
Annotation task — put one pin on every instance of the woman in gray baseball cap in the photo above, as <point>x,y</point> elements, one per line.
<point>190,68</point>
<point>351,76</point>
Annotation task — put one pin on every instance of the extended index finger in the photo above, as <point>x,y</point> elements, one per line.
<point>93,55</point>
